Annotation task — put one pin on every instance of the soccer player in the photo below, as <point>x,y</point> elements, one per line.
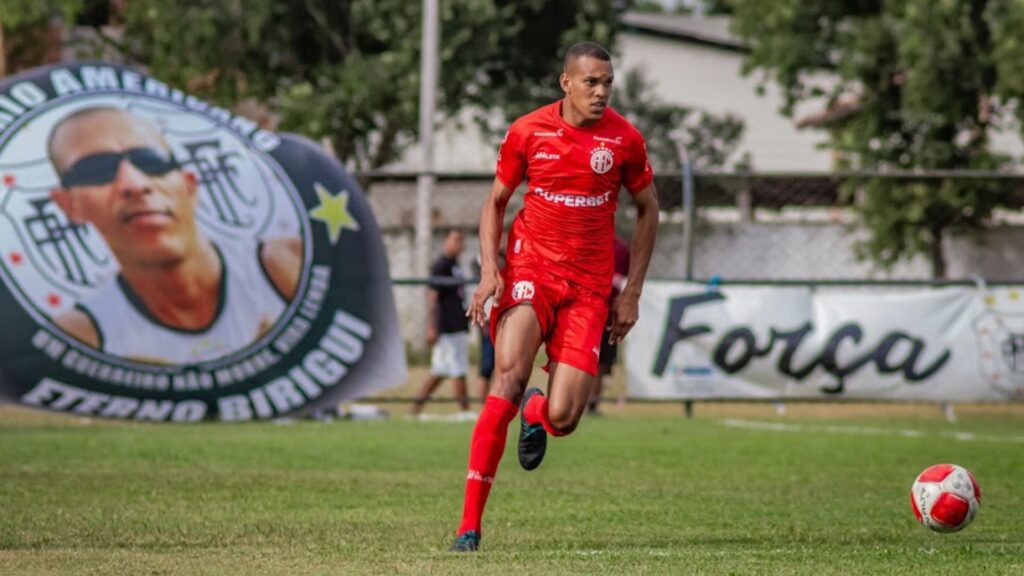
<point>577,153</point>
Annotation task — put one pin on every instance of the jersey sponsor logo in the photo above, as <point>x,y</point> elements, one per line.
<point>601,160</point>
<point>549,133</point>
<point>573,200</point>
<point>267,353</point>
<point>616,140</point>
<point>546,156</point>
<point>522,290</point>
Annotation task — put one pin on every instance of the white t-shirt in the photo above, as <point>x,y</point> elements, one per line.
<point>248,306</point>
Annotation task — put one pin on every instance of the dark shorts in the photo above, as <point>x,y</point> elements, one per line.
<point>609,352</point>
<point>486,355</point>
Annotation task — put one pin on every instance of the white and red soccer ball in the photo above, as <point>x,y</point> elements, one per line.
<point>945,497</point>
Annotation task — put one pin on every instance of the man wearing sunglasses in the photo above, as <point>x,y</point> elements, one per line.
<point>178,298</point>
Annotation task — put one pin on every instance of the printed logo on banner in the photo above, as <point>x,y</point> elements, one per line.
<point>839,352</point>
<point>1000,338</point>
<point>176,261</point>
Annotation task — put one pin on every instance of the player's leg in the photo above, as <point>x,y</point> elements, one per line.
<point>574,348</point>
<point>605,364</point>
<point>593,405</point>
<point>460,341</point>
<point>441,360</point>
<point>483,382</point>
<point>569,391</point>
<point>426,390</point>
<point>518,337</point>
<point>459,387</point>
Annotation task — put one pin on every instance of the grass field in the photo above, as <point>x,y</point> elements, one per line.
<point>735,490</point>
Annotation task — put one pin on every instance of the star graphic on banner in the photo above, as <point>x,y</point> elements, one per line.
<point>333,212</point>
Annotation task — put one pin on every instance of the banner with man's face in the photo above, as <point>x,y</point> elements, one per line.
<point>164,259</point>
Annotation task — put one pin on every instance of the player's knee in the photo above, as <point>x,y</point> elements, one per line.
<point>565,421</point>
<point>509,385</point>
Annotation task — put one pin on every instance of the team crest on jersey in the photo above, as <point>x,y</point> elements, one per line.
<point>522,290</point>
<point>601,160</point>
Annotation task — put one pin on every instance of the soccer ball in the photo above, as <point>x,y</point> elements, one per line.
<point>945,497</point>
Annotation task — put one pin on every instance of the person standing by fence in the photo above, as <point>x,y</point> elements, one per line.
<point>447,325</point>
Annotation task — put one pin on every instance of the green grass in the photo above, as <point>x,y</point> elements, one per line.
<point>627,494</point>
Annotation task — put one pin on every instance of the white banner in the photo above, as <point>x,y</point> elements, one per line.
<point>949,344</point>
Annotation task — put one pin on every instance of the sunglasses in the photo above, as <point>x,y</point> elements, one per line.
<point>98,169</point>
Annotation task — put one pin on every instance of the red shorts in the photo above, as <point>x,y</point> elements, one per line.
<point>571,316</point>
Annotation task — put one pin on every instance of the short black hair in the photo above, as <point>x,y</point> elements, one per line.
<point>581,49</point>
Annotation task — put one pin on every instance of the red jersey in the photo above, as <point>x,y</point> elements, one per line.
<point>567,224</point>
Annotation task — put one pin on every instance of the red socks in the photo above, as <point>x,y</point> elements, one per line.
<point>485,451</point>
<point>537,411</point>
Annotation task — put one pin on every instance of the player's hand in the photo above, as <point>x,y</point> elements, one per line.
<point>491,286</point>
<point>624,313</point>
<point>431,335</point>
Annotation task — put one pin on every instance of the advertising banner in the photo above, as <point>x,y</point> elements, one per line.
<point>164,259</point>
<point>943,344</point>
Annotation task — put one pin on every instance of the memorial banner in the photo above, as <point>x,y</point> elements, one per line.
<point>164,259</point>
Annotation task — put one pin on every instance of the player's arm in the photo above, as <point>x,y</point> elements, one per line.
<point>625,310</point>
<point>79,325</point>
<point>492,220</point>
<point>282,261</point>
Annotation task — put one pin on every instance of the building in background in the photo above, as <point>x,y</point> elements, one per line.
<point>690,61</point>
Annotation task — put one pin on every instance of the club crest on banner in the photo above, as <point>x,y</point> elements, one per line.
<point>1000,339</point>
<point>107,176</point>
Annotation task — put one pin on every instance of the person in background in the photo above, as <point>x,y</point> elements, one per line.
<point>447,325</point>
<point>610,351</point>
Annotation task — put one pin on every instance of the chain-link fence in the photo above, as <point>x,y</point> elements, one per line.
<point>763,227</point>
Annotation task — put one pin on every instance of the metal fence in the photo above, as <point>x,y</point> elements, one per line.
<point>744,227</point>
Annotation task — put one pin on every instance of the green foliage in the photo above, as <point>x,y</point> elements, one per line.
<point>923,77</point>
<point>15,14</point>
<point>25,29</point>
<point>349,71</point>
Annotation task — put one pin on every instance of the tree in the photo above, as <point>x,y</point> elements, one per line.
<point>26,31</point>
<point>345,70</point>
<point>348,70</point>
<point>916,82</point>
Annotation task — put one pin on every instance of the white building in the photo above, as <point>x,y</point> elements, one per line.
<point>697,62</point>
<point>690,61</point>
